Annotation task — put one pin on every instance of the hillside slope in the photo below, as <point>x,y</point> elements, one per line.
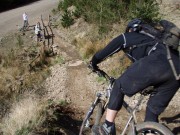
<point>71,81</point>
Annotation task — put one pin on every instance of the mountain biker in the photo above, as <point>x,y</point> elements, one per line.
<point>150,68</point>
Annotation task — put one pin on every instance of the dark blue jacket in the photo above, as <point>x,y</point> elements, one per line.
<point>128,42</point>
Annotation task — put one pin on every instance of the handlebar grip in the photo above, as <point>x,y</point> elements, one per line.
<point>99,72</point>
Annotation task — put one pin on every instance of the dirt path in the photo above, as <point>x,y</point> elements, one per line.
<point>76,85</point>
<point>11,18</point>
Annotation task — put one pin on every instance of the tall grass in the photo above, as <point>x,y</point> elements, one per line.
<point>23,116</point>
<point>87,47</point>
<point>21,111</point>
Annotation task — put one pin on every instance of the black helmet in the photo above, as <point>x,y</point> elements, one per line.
<point>134,25</point>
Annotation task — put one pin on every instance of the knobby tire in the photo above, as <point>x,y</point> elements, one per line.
<point>98,115</point>
<point>151,127</point>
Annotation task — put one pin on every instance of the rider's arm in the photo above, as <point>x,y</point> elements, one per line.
<point>113,47</point>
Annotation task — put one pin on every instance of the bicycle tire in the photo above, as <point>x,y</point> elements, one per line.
<point>82,127</point>
<point>99,113</point>
<point>151,127</point>
<point>97,116</point>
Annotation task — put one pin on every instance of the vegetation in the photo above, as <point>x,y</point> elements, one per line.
<point>17,83</point>
<point>147,10</point>
<point>106,12</point>
<point>67,19</point>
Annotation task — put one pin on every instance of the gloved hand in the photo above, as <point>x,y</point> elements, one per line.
<point>93,66</point>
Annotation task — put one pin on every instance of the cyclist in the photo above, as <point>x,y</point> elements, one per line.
<point>150,68</point>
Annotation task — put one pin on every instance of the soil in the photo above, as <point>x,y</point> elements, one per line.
<point>73,82</point>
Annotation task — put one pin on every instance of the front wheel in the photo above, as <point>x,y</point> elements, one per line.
<point>98,113</point>
<point>95,117</point>
<point>151,128</point>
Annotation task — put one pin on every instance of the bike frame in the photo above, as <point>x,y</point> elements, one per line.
<point>132,121</point>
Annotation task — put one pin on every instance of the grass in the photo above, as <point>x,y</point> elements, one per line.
<point>23,116</point>
<point>33,114</point>
<point>90,42</point>
<point>59,60</point>
<point>88,47</point>
<point>20,89</point>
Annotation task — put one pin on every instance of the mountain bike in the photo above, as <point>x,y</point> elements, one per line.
<point>132,127</point>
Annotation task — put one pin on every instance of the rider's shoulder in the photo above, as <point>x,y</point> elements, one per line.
<point>133,35</point>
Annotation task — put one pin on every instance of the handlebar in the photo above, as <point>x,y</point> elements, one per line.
<point>102,73</point>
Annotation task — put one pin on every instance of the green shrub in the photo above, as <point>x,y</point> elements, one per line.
<point>63,5</point>
<point>77,13</point>
<point>104,13</point>
<point>67,19</point>
<point>147,10</point>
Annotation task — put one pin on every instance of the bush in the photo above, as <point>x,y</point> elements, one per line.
<point>104,13</point>
<point>77,13</point>
<point>67,19</point>
<point>147,10</point>
<point>63,5</point>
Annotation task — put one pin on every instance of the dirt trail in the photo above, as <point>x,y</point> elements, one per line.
<point>70,81</point>
<point>78,86</point>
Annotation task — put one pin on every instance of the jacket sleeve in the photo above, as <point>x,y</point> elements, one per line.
<point>113,47</point>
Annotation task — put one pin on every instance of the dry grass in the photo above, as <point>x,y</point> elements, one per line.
<point>114,66</point>
<point>20,111</point>
<point>92,43</point>
<point>24,115</point>
<point>87,48</point>
<point>89,45</point>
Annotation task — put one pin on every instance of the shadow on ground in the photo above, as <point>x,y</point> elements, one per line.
<point>173,120</point>
<point>61,120</point>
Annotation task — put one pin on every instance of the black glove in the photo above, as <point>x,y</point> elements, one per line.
<point>93,66</point>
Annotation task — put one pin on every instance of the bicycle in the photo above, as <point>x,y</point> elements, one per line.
<point>132,127</point>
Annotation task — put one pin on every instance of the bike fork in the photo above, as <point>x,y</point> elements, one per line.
<point>87,123</point>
